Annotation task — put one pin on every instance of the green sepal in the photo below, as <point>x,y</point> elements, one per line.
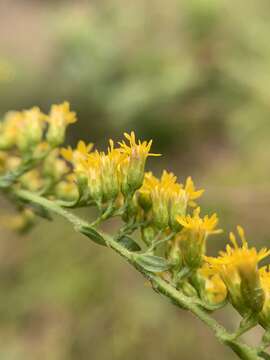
<point>152,263</point>
<point>92,234</point>
<point>129,243</point>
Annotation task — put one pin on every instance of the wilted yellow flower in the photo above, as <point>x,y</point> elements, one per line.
<point>133,164</point>
<point>59,118</point>
<point>238,267</point>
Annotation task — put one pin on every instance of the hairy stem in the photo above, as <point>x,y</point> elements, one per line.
<point>161,286</point>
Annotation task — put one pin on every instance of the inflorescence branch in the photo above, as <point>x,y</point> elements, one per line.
<point>43,179</point>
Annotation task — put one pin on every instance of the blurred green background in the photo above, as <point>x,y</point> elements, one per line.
<point>192,75</point>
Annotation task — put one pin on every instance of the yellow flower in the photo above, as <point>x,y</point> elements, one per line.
<point>109,165</point>
<point>144,193</point>
<point>167,197</point>
<point>77,156</point>
<point>59,118</point>
<point>24,129</point>
<point>192,238</point>
<point>202,226</point>
<point>214,291</point>
<point>161,195</point>
<point>238,267</point>
<point>61,114</point>
<point>137,150</point>
<point>102,171</point>
<point>9,129</point>
<point>192,193</point>
<point>133,163</point>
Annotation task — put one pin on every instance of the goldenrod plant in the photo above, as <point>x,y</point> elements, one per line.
<point>163,232</point>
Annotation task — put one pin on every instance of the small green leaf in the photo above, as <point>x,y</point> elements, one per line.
<point>152,263</point>
<point>92,234</point>
<point>129,243</point>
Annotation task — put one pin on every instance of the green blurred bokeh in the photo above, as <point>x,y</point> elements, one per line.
<point>192,75</point>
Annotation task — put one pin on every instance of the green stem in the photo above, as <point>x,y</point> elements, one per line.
<point>161,286</point>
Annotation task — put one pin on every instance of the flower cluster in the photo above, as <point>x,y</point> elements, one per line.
<point>174,234</point>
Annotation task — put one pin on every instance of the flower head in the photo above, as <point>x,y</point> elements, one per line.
<point>192,238</point>
<point>213,288</point>
<point>238,267</point>
<point>133,163</point>
<point>77,156</point>
<point>59,118</point>
<point>202,226</point>
<point>23,129</point>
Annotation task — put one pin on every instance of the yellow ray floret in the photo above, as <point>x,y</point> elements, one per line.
<point>61,114</point>
<point>78,155</point>
<point>136,149</point>
<point>239,256</point>
<point>196,223</point>
<point>191,192</point>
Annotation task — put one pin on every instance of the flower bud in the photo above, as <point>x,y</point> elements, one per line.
<point>148,234</point>
<point>66,190</point>
<point>54,167</point>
